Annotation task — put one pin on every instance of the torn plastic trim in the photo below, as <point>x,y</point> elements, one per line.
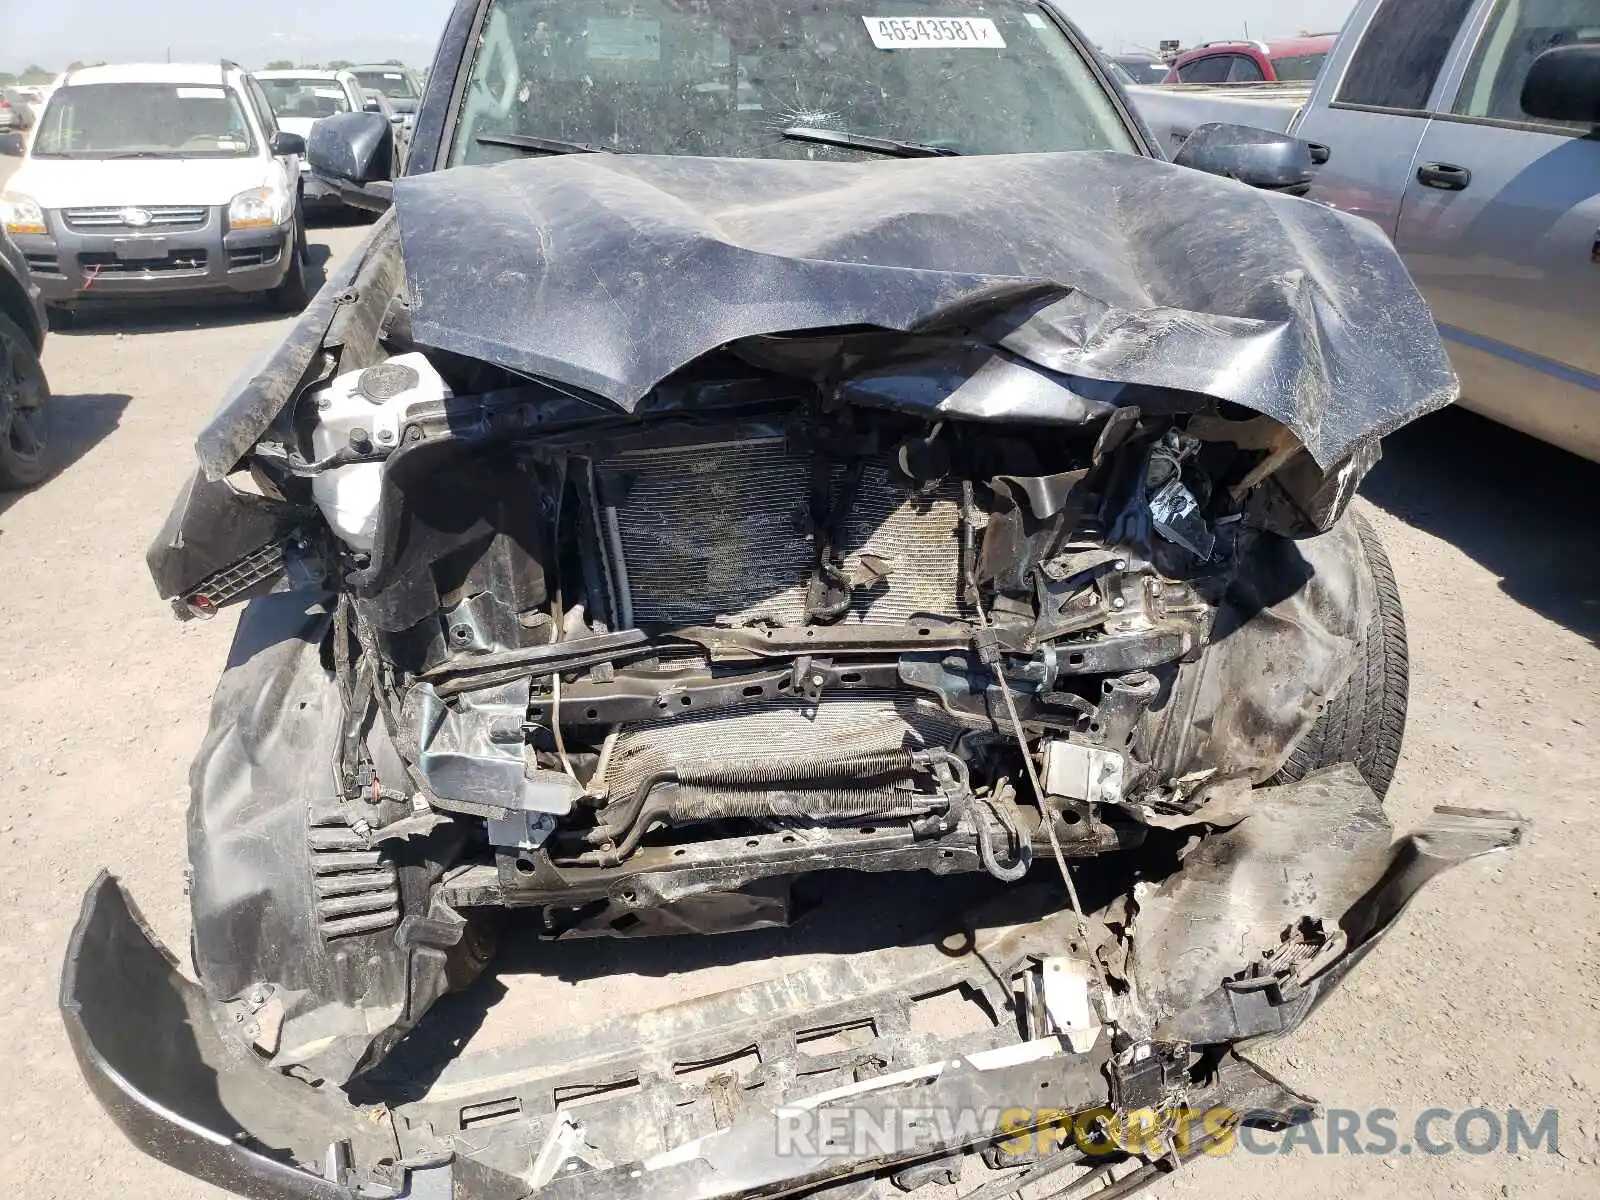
<point>178,1090</point>
<point>347,311</point>
<point>1266,917</point>
<point>213,528</point>
<point>145,1043</point>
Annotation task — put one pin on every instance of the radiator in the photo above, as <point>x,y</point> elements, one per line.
<point>716,535</point>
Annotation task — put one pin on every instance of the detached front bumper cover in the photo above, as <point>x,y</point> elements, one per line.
<point>686,1102</point>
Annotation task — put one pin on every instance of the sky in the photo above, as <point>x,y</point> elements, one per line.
<point>53,33</point>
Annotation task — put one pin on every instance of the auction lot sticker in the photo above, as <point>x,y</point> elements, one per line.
<point>923,33</point>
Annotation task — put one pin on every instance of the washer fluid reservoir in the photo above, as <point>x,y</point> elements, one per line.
<point>357,409</point>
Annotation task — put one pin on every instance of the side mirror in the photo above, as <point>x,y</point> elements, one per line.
<point>1564,85</point>
<point>284,144</point>
<point>355,152</point>
<point>1258,157</point>
<point>352,148</point>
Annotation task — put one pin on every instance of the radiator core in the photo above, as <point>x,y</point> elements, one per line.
<point>717,535</point>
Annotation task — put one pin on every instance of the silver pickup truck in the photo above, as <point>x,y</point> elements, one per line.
<point>1494,206</point>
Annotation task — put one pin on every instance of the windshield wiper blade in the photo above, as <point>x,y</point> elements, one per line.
<point>539,145</point>
<point>863,141</point>
<point>119,154</point>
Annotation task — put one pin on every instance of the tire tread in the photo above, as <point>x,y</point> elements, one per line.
<point>1366,722</point>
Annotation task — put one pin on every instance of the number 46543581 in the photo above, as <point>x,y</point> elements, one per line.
<point>912,33</point>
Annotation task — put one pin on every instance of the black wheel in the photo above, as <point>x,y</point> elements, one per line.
<point>294,293</point>
<point>1366,722</point>
<point>24,411</point>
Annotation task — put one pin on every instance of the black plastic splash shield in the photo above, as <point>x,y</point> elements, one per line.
<point>610,272</point>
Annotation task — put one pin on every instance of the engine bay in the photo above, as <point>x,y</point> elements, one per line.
<point>765,631</point>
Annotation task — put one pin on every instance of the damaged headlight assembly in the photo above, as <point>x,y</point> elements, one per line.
<point>588,613</point>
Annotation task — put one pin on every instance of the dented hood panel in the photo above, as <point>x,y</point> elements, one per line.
<point>608,273</point>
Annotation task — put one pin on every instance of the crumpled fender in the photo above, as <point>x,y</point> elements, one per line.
<point>1267,916</point>
<point>265,767</point>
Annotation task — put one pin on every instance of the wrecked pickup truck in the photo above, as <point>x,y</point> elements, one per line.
<point>764,442</point>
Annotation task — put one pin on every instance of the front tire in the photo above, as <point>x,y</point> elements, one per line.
<point>1365,723</point>
<point>24,411</point>
<point>294,293</point>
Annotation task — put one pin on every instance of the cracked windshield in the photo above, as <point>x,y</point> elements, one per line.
<point>775,80</point>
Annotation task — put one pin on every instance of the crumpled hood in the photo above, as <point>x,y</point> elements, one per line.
<point>609,273</point>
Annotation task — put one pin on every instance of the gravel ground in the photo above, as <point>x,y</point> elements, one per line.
<point>1488,993</point>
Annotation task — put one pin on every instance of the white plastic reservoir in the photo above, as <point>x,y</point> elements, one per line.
<point>368,406</point>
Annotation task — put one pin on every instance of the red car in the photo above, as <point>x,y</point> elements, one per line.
<point>1290,60</point>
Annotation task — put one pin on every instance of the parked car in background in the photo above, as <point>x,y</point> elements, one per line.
<point>1141,68</point>
<point>1283,61</point>
<point>16,119</point>
<point>1466,130</point>
<point>400,85</point>
<point>156,179</point>
<point>299,99</point>
<point>16,114</point>
<point>374,101</point>
<point>36,96</point>
<point>24,392</point>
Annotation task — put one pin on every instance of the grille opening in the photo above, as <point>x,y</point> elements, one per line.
<point>164,217</point>
<point>738,1064</point>
<point>818,1043</point>
<point>579,1094</point>
<point>954,1012</point>
<point>260,256</point>
<point>491,1112</point>
<point>44,264</point>
<point>175,262</point>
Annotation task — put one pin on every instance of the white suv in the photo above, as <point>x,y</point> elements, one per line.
<point>155,179</point>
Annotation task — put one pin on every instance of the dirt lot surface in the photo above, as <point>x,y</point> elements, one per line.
<point>1487,994</point>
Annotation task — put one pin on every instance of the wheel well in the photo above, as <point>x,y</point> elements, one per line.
<point>14,304</point>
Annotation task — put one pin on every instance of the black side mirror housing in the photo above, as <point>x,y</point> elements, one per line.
<point>354,147</point>
<point>283,144</point>
<point>355,152</point>
<point>1259,157</point>
<point>1564,85</point>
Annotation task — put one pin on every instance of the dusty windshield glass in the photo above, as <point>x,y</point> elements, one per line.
<point>394,84</point>
<point>727,77</point>
<point>309,97</point>
<point>144,120</point>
